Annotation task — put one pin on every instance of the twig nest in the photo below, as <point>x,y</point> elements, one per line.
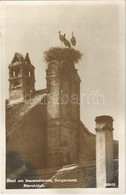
<point>66,54</point>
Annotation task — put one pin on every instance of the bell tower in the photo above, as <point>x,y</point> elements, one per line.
<point>21,78</point>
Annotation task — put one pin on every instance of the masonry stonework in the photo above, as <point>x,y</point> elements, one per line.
<point>63,113</point>
<point>21,78</point>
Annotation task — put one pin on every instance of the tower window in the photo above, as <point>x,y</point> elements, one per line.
<point>18,72</point>
<point>15,72</point>
<point>29,74</point>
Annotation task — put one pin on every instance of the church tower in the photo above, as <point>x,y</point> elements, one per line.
<point>21,78</point>
<point>63,107</point>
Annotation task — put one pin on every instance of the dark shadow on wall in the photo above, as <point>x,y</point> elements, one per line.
<point>17,170</point>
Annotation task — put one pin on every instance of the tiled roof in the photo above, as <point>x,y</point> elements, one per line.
<point>70,176</point>
<point>75,176</point>
<point>79,176</point>
<point>15,112</point>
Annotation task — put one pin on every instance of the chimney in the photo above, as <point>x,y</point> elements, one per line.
<point>104,151</point>
<point>63,115</point>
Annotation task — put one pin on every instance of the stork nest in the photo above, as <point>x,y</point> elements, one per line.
<point>59,53</point>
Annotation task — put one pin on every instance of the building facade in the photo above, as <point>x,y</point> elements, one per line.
<point>44,129</point>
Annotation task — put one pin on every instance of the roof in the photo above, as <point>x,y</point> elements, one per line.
<point>15,112</point>
<point>78,176</point>
<point>20,59</point>
<point>75,176</point>
<point>70,176</point>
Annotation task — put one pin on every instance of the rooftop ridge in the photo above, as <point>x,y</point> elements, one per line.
<point>85,129</point>
<point>37,100</point>
<point>32,108</point>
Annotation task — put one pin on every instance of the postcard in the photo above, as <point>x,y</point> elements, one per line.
<point>63,97</point>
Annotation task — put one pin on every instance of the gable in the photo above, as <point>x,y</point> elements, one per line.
<point>15,112</point>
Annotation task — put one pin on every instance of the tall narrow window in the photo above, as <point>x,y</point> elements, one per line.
<point>19,72</point>
<point>13,73</point>
<point>29,74</point>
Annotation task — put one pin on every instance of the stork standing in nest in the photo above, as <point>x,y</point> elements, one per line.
<point>73,40</point>
<point>61,37</point>
<point>67,43</point>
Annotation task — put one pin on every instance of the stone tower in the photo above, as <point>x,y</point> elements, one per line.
<point>21,78</point>
<point>63,108</point>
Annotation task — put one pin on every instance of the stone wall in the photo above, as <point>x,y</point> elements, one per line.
<point>87,150</point>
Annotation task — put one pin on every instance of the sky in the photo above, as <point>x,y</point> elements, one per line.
<point>96,26</point>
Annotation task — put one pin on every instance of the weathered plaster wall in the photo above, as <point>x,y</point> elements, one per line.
<point>87,150</point>
<point>28,138</point>
<point>62,114</point>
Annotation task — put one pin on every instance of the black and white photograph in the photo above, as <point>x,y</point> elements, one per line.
<point>63,96</point>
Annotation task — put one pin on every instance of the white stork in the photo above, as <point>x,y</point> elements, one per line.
<point>67,43</point>
<point>61,37</point>
<point>73,40</point>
